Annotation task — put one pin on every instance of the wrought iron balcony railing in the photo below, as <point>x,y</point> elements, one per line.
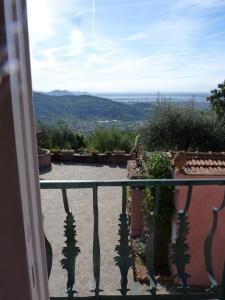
<point>123,258</point>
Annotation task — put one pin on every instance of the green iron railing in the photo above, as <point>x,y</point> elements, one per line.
<point>123,259</point>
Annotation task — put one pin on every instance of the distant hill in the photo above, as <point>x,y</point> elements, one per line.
<point>85,107</point>
<point>64,93</point>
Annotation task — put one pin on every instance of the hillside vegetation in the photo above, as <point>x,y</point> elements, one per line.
<point>85,107</point>
<point>61,135</point>
<point>173,127</point>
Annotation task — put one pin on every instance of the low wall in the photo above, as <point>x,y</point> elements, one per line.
<point>200,216</point>
<point>91,159</point>
<point>44,160</point>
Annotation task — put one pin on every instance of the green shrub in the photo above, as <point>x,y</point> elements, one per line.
<point>217,101</point>
<point>55,150</point>
<point>59,135</point>
<point>173,127</point>
<point>110,139</point>
<point>140,248</point>
<point>158,166</point>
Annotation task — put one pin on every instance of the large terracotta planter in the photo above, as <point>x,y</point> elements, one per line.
<point>44,160</point>
<point>67,155</point>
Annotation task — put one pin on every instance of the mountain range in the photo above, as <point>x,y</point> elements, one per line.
<point>64,93</point>
<point>63,104</point>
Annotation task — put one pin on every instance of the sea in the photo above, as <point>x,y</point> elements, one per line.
<point>149,97</point>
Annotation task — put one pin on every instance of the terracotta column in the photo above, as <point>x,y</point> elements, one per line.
<point>137,216</point>
<point>137,197</point>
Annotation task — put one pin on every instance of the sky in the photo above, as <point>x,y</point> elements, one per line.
<point>127,45</point>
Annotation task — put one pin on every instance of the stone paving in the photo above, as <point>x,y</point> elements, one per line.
<point>80,201</point>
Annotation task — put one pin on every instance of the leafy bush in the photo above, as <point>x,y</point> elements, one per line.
<point>158,166</point>
<point>59,135</point>
<point>140,247</point>
<point>173,127</point>
<point>217,101</point>
<point>110,139</point>
<point>55,150</point>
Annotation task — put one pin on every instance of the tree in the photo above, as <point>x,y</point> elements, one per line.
<point>102,140</point>
<point>59,135</point>
<point>173,127</point>
<point>110,139</point>
<point>217,101</point>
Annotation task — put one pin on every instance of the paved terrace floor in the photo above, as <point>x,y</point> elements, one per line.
<point>80,202</point>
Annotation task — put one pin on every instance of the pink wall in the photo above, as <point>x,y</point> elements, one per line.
<point>200,218</point>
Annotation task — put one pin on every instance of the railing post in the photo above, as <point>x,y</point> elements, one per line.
<point>209,244</point>
<point>70,251</point>
<point>123,259</point>
<point>150,246</point>
<point>180,250</point>
<point>222,287</point>
<point>96,244</point>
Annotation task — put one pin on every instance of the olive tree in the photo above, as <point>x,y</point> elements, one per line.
<point>217,101</point>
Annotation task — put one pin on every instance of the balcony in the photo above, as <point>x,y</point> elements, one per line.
<point>123,256</point>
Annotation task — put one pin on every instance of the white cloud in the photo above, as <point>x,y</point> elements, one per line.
<point>176,31</point>
<point>115,71</point>
<point>136,37</point>
<point>76,43</point>
<point>169,61</point>
<point>202,4</point>
<point>41,20</point>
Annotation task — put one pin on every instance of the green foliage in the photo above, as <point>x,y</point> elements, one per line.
<point>158,166</point>
<point>140,247</point>
<point>173,127</point>
<point>217,101</point>
<point>105,140</point>
<point>59,136</point>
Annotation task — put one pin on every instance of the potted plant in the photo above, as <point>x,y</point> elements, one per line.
<point>55,154</point>
<point>67,154</point>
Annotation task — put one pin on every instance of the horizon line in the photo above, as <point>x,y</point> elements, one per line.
<point>123,92</point>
